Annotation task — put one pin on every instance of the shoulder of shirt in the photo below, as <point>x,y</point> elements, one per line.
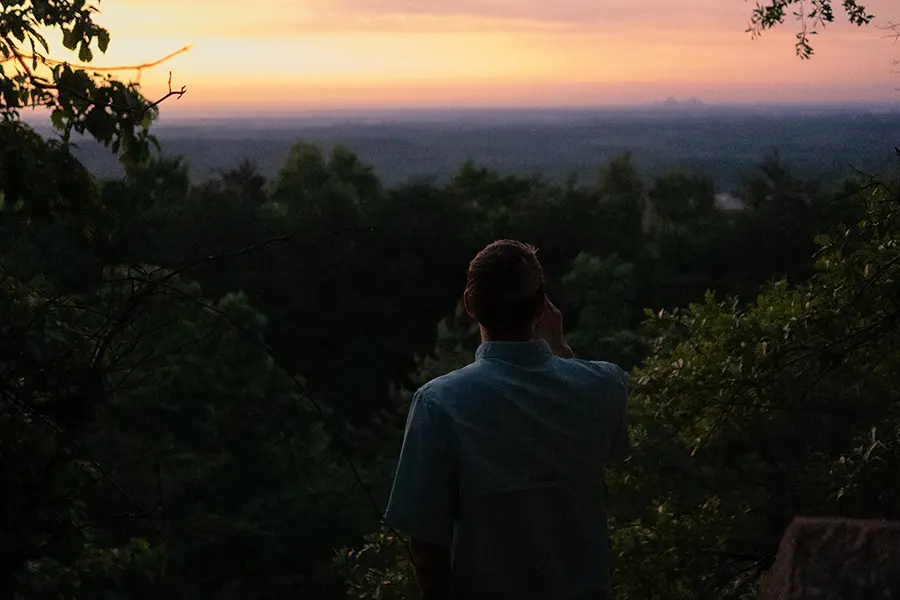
<point>600,368</point>
<point>440,389</point>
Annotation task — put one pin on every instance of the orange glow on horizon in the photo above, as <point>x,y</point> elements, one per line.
<point>313,56</point>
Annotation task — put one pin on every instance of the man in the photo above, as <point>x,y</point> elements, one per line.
<point>500,480</point>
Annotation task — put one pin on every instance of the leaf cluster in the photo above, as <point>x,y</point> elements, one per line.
<point>79,100</point>
<point>812,16</point>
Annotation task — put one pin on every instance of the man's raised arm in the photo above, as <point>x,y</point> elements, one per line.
<point>550,329</point>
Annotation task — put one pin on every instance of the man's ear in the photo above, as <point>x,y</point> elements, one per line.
<point>467,301</point>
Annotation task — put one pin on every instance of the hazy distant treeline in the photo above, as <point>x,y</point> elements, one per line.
<point>717,142</point>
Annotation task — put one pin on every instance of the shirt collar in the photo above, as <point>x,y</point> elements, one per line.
<point>533,352</point>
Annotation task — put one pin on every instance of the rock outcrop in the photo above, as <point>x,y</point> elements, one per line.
<point>836,559</point>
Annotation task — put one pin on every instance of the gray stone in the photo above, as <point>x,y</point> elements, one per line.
<point>836,559</point>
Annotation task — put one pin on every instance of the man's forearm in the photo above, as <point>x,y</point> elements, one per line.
<point>432,565</point>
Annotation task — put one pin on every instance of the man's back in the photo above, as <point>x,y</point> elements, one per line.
<point>503,461</point>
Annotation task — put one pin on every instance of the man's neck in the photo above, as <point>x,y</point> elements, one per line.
<point>525,336</point>
<point>560,349</point>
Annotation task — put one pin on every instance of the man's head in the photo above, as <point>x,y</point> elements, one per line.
<point>505,290</point>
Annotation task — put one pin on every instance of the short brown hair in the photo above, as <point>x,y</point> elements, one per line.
<point>506,284</point>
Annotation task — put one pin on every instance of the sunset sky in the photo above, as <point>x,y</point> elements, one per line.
<point>284,54</point>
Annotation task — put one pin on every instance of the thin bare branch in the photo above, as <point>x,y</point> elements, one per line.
<point>94,68</point>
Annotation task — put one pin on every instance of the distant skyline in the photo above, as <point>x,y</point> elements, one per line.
<point>357,54</point>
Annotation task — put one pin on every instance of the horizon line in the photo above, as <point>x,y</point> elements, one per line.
<point>672,106</point>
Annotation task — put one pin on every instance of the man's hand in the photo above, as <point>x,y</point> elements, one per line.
<point>550,328</point>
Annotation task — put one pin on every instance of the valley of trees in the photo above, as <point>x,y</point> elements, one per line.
<point>203,387</point>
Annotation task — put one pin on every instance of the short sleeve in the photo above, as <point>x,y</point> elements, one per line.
<point>422,502</point>
<point>621,444</point>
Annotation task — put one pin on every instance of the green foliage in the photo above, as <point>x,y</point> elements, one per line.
<point>137,408</point>
<point>112,112</point>
<point>812,16</point>
<point>600,290</point>
<point>683,197</point>
<point>747,416</point>
<point>321,196</point>
<point>367,576</point>
<point>622,208</point>
<point>127,572</point>
<point>120,415</point>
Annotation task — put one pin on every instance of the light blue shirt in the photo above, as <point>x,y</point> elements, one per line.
<point>503,461</point>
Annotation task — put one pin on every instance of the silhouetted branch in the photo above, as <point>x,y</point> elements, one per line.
<point>44,85</point>
<point>120,516</point>
<point>95,68</point>
<point>893,29</point>
<point>117,107</point>
<point>281,239</point>
<point>176,94</point>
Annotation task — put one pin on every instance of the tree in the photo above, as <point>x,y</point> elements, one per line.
<point>147,435</point>
<point>145,429</point>
<point>744,417</point>
<point>246,181</point>
<point>683,197</point>
<point>112,112</point>
<point>601,293</point>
